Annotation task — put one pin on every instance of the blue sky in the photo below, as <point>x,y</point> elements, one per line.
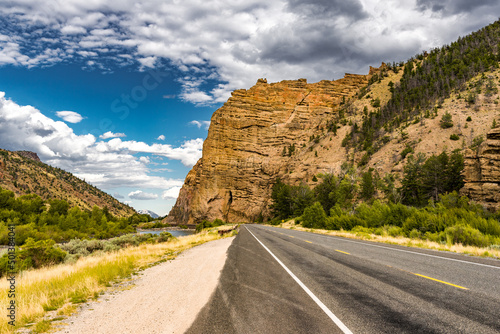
<point>120,92</point>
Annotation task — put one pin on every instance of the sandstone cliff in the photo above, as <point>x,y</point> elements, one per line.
<point>482,172</point>
<point>258,135</point>
<point>281,130</point>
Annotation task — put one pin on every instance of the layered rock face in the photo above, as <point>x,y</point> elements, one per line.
<point>482,172</point>
<point>256,137</point>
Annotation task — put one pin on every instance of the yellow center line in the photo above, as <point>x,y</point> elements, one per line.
<point>308,241</point>
<point>342,252</point>
<point>433,279</point>
<point>291,236</point>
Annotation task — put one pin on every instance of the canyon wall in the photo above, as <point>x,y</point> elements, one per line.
<point>258,135</point>
<point>482,172</point>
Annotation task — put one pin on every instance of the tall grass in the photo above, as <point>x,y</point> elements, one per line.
<point>47,289</point>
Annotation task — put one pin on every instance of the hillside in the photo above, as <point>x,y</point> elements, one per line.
<point>23,173</point>
<point>441,101</point>
<point>254,138</point>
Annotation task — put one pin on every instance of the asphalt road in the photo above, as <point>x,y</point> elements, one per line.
<point>343,285</point>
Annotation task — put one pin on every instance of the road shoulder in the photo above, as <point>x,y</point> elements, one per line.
<point>165,299</point>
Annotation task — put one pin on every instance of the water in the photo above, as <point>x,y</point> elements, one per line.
<point>175,233</point>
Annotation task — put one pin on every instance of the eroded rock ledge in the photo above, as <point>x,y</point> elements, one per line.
<point>482,172</point>
<point>248,136</point>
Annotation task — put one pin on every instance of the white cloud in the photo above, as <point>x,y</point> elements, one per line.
<point>118,196</point>
<point>199,124</point>
<point>188,153</point>
<point>237,42</point>
<point>69,116</point>
<point>171,193</point>
<point>73,30</point>
<point>144,160</point>
<point>140,195</point>
<point>147,61</point>
<point>110,134</point>
<point>161,137</point>
<point>106,165</point>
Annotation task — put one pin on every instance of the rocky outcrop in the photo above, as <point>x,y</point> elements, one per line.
<point>29,155</point>
<point>258,135</point>
<point>482,172</point>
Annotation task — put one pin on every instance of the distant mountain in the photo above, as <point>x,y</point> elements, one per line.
<point>149,212</point>
<point>23,173</point>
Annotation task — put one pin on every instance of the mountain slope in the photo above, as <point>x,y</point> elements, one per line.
<point>23,173</point>
<point>294,131</point>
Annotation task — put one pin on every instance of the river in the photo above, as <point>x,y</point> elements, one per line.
<point>175,233</point>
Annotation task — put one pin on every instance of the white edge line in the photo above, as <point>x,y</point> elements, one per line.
<point>401,250</point>
<point>332,316</point>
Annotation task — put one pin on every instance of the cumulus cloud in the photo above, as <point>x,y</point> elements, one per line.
<point>161,137</point>
<point>118,196</point>
<point>200,124</point>
<point>140,195</point>
<point>110,134</point>
<point>188,153</point>
<point>73,30</point>
<point>171,193</point>
<point>69,116</point>
<point>107,165</point>
<point>233,43</point>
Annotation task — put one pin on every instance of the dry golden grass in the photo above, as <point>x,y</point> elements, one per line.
<point>403,241</point>
<point>59,287</point>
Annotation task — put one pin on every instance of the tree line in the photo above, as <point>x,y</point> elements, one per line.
<point>427,80</point>
<point>423,179</point>
<point>54,220</point>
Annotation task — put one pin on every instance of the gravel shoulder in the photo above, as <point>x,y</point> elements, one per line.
<point>165,299</point>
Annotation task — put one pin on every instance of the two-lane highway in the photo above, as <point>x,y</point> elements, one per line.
<point>286,281</point>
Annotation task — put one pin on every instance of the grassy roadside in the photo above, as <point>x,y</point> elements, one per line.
<point>492,252</point>
<point>59,288</point>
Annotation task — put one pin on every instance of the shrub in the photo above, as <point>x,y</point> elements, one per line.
<point>395,231</point>
<point>376,103</point>
<point>110,247</point>
<point>336,211</point>
<point>164,237</point>
<point>217,222</point>
<point>76,247</point>
<point>422,221</point>
<point>314,216</point>
<point>469,119</point>
<point>476,142</point>
<point>446,121</point>
<point>465,235</point>
<point>347,222</point>
<point>414,234</point>
<point>372,215</point>
<point>407,150</point>
<point>332,223</point>
<point>454,137</point>
<point>34,254</point>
